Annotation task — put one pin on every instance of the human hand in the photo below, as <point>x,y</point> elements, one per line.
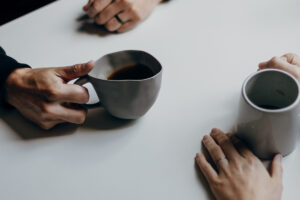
<point>239,174</point>
<point>289,62</point>
<point>43,96</point>
<point>119,15</point>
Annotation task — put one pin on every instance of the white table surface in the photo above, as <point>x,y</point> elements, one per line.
<point>207,48</point>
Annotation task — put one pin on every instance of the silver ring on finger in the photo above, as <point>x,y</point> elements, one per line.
<point>119,19</point>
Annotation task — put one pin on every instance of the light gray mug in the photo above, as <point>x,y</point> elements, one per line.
<point>268,116</point>
<point>125,99</point>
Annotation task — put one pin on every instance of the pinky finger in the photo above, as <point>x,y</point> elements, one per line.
<point>127,26</point>
<point>207,170</point>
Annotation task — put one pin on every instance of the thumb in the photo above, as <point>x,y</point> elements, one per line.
<point>276,168</point>
<point>292,58</point>
<point>75,71</point>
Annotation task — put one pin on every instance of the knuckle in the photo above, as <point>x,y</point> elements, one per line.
<point>290,55</point>
<point>44,108</point>
<point>95,6</point>
<point>132,11</point>
<point>46,112</point>
<point>274,61</point>
<point>217,182</point>
<point>52,92</point>
<point>100,19</point>
<point>251,162</point>
<point>221,140</point>
<point>137,16</point>
<point>238,166</point>
<point>216,151</point>
<point>126,3</point>
<point>43,116</point>
<point>76,69</point>
<point>109,27</point>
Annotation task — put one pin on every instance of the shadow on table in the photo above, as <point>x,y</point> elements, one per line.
<point>202,179</point>
<point>99,119</point>
<point>88,26</point>
<point>28,130</point>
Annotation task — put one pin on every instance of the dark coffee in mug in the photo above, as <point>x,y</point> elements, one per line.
<point>132,72</point>
<point>270,107</point>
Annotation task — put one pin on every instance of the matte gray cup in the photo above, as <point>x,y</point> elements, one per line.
<point>125,99</point>
<point>268,116</point>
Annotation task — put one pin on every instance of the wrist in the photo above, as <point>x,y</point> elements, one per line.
<point>13,82</point>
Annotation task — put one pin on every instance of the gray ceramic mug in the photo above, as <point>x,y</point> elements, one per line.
<point>125,99</point>
<point>268,116</point>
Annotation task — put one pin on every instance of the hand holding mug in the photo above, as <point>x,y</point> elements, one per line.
<point>43,96</point>
<point>289,62</point>
<point>120,15</point>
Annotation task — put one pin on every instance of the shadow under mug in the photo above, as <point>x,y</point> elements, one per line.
<point>268,116</point>
<point>125,99</point>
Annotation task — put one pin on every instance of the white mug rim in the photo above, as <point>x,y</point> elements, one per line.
<point>281,110</point>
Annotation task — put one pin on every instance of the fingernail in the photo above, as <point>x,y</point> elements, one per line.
<point>213,130</point>
<point>205,137</point>
<point>197,155</point>
<point>279,157</point>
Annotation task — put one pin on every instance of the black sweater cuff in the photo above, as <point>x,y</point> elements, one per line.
<point>7,66</point>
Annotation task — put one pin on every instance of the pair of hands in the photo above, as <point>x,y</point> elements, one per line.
<point>119,15</point>
<point>237,174</point>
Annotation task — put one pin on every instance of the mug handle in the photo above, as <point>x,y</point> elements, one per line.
<point>81,81</point>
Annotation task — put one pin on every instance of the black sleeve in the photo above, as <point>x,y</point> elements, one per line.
<point>7,66</point>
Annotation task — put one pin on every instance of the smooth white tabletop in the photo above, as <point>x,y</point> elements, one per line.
<point>207,49</point>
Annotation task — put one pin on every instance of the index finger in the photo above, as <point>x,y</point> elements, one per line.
<point>70,93</point>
